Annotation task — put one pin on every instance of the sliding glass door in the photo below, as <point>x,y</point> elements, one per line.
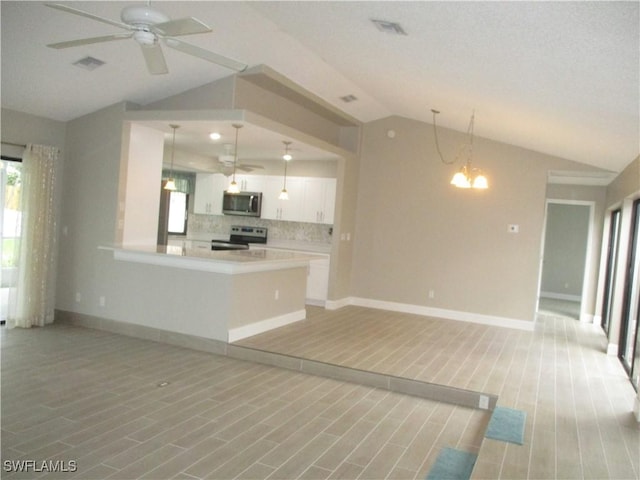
<point>10,217</point>
<point>610,275</point>
<point>631,309</point>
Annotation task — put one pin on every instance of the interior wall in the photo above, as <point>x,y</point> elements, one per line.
<point>565,249</point>
<point>142,160</point>
<point>90,208</point>
<point>420,241</point>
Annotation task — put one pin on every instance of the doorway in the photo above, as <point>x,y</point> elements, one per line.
<point>565,258</point>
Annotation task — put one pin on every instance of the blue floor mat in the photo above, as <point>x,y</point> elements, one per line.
<point>507,425</point>
<point>452,464</point>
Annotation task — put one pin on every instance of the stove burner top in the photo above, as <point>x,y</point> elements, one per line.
<point>240,238</point>
<point>215,245</point>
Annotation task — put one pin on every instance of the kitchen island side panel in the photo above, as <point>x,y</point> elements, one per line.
<point>172,299</point>
<point>263,296</point>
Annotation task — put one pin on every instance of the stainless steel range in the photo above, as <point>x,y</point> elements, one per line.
<point>241,237</point>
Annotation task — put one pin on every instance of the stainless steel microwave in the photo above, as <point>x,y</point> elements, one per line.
<point>248,204</point>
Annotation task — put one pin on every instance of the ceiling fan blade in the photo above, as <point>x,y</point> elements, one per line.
<point>82,13</point>
<point>155,59</point>
<point>205,54</point>
<point>249,167</point>
<point>88,41</point>
<point>181,26</point>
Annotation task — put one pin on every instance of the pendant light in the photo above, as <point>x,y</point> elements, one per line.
<point>467,176</point>
<point>171,183</point>
<point>284,195</point>
<point>233,187</point>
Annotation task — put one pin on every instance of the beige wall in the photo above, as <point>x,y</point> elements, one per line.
<point>625,184</point>
<point>415,233</point>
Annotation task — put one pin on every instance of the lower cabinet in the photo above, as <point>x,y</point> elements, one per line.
<point>318,282</point>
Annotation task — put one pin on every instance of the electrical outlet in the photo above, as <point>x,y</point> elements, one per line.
<point>432,294</point>
<point>103,301</point>
<point>78,297</point>
<point>276,295</point>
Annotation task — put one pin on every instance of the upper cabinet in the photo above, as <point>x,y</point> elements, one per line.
<point>275,209</point>
<point>250,183</point>
<point>319,200</point>
<point>311,200</point>
<point>208,195</point>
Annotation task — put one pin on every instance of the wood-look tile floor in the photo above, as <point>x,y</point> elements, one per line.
<point>578,400</point>
<point>90,403</point>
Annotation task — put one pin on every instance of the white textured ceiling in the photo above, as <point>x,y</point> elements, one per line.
<point>557,77</point>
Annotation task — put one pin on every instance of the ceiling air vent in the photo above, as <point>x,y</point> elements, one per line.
<point>389,27</point>
<point>349,98</point>
<point>88,63</point>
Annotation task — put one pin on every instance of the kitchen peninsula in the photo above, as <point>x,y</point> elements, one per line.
<point>216,295</point>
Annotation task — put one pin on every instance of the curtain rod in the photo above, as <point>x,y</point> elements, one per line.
<point>13,144</point>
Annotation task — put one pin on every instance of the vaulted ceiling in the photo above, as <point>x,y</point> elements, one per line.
<point>561,78</point>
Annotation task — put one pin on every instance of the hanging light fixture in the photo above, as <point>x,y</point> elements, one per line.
<point>233,187</point>
<point>171,183</point>
<point>467,176</point>
<point>284,195</point>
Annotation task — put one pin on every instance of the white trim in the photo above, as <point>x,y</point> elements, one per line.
<point>262,326</point>
<point>337,304</point>
<point>443,313</point>
<point>586,318</point>
<point>612,349</point>
<point>561,296</point>
<point>315,302</point>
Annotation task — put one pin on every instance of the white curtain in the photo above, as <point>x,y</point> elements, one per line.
<point>31,303</point>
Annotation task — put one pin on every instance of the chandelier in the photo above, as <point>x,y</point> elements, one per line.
<point>468,176</point>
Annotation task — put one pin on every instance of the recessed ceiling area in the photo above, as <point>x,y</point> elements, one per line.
<point>196,151</point>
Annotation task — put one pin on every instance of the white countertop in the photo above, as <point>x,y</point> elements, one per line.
<point>297,245</point>
<point>230,262</point>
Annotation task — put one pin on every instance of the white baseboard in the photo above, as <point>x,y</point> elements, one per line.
<point>336,304</point>
<point>443,313</point>
<point>612,349</point>
<point>239,333</point>
<point>315,302</point>
<point>636,408</point>
<point>561,296</point>
<point>586,318</point>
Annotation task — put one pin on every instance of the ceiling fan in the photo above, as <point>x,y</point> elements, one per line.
<point>225,165</point>
<point>148,26</point>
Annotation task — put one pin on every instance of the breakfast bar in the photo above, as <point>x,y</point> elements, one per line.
<point>219,295</point>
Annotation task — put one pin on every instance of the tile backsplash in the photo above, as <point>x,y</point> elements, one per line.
<point>203,225</point>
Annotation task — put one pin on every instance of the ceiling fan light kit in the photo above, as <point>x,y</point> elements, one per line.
<point>467,176</point>
<point>148,26</point>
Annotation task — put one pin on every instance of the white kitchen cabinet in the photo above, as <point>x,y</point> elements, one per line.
<point>250,183</point>
<point>208,196</point>
<point>319,200</point>
<point>275,209</point>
